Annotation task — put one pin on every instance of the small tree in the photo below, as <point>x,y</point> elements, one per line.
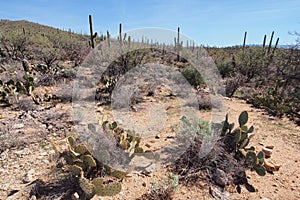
<point>47,49</point>
<point>14,45</point>
<point>74,50</point>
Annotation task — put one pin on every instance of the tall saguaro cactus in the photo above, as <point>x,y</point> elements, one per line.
<point>264,42</point>
<point>178,35</point>
<point>270,44</point>
<point>177,45</point>
<point>93,35</point>
<point>275,46</point>
<point>244,43</point>
<point>120,34</point>
<point>108,38</point>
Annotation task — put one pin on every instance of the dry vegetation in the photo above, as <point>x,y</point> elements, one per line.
<point>38,65</point>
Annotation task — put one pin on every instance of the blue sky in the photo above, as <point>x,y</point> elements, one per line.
<point>214,22</point>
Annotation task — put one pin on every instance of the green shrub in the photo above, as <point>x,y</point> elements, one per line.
<point>193,76</point>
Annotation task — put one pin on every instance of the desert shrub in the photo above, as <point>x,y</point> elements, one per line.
<point>13,45</point>
<point>193,76</point>
<point>14,87</point>
<point>163,189</point>
<point>74,50</point>
<point>46,49</point>
<point>279,93</point>
<point>250,63</point>
<point>226,67</point>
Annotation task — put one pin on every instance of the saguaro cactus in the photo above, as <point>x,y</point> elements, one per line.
<point>275,46</point>
<point>93,35</point>
<point>244,43</point>
<point>108,38</point>
<point>270,44</point>
<point>120,34</point>
<point>264,42</point>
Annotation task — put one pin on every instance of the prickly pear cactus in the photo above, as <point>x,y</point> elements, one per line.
<point>239,138</point>
<point>256,162</point>
<point>86,186</point>
<point>112,189</point>
<point>82,163</point>
<point>251,159</point>
<point>260,170</point>
<point>128,140</point>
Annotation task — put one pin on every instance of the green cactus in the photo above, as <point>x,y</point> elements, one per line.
<point>80,149</point>
<point>261,157</point>
<point>226,126</point>
<point>71,142</point>
<point>240,137</point>
<point>251,159</point>
<point>128,140</point>
<point>99,186</point>
<point>256,162</point>
<point>119,174</point>
<point>112,189</point>
<point>243,118</point>
<point>138,150</point>
<point>260,170</point>
<point>86,186</point>
<point>81,162</point>
<point>88,160</point>
<point>108,190</point>
<point>75,169</point>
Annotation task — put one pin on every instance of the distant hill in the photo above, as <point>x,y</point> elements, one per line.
<point>7,26</point>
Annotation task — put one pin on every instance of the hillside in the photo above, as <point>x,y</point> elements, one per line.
<point>34,29</point>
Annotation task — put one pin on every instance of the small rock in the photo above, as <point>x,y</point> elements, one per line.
<point>44,153</point>
<point>52,151</point>
<point>144,184</point>
<point>148,145</point>
<point>33,197</point>
<point>220,178</point>
<point>264,199</point>
<point>43,125</point>
<point>146,173</point>
<point>29,176</point>
<point>293,188</point>
<point>157,136</point>
<point>267,151</point>
<point>170,137</point>
<point>218,194</point>
<point>99,110</point>
<point>75,196</point>
<point>270,147</point>
<point>19,153</point>
<point>18,126</point>
<point>169,107</point>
